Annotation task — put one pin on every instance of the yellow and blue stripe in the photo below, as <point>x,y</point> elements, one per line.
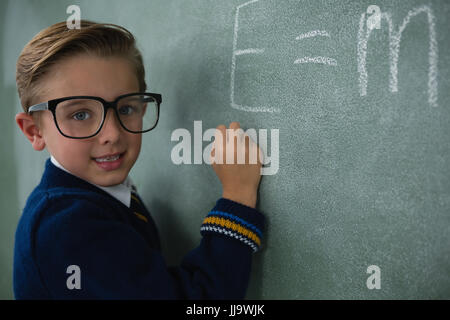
<point>233,226</point>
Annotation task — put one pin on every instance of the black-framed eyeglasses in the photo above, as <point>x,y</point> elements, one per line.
<point>81,117</point>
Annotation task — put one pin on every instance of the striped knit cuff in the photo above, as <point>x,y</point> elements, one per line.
<point>235,220</point>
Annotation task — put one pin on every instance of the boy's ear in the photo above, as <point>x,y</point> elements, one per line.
<point>28,126</point>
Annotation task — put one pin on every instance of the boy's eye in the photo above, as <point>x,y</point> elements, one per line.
<point>82,115</point>
<point>126,110</point>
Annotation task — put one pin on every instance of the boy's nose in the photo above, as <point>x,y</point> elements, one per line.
<point>111,127</point>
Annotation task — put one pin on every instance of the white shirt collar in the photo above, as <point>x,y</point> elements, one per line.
<point>121,192</point>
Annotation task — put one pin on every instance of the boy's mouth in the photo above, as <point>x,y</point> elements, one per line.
<point>110,162</point>
<point>109,158</point>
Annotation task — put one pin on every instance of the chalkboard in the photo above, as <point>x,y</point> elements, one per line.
<point>355,101</point>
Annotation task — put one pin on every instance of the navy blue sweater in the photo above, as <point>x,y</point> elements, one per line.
<point>69,222</point>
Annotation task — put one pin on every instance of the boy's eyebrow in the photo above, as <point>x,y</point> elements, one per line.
<point>68,103</point>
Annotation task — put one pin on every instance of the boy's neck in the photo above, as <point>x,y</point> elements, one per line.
<point>126,182</point>
<point>120,191</point>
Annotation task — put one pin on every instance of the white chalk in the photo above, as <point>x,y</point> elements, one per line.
<point>239,52</point>
<point>314,33</point>
<point>394,48</point>
<point>248,51</point>
<point>318,59</point>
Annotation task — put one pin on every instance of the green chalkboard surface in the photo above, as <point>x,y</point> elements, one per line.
<point>355,104</point>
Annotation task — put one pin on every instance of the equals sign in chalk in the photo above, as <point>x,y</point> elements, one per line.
<point>317,59</point>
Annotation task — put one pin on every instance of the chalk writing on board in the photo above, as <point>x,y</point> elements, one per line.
<point>236,53</point>
<point>322,60</point>
<point>314,33</point>
<point>394,48</point>
<point>367,24</point>
<point>319,59</point>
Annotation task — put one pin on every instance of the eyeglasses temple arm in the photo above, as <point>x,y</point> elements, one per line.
<point>38,107</point>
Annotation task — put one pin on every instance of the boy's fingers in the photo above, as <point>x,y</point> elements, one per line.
<point>246,140</point>
<point>236,131</point>
<point>220,129</point>
<point>220,133</point>
<point>242,141</point>
<point>219,144</point>
<point>254,154</point>
<point>234,125</point>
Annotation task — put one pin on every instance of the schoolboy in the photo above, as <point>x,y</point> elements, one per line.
<point>85,233</point>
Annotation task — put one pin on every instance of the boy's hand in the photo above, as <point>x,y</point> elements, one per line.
<point>240,180</point>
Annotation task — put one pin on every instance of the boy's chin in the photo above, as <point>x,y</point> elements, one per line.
<point>110,179</point>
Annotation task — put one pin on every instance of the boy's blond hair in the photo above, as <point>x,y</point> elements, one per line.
<point>57,42</point>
